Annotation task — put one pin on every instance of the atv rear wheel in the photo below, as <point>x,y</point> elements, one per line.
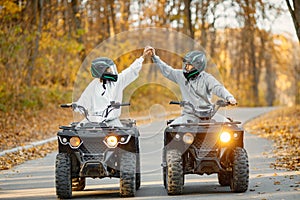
<point>63,178</point>
<point>174,172</point>
<point>128,174</point>
<point>224,178</point>
<point>78,184</point>
<point>240,170</point>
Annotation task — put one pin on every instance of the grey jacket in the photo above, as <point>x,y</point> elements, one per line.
<point>197,91</point>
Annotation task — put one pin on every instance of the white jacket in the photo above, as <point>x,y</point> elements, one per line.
<point>96,99</point>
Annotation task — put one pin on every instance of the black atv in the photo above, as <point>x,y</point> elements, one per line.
<point>96,150</point>
<point>206,147</point>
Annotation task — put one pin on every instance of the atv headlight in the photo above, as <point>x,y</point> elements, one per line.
<point>225,137</point>
<point>188,138</point>
<point>111,141</point>
<point>75,142</point>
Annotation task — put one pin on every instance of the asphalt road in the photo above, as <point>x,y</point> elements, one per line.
<point>35,179</point>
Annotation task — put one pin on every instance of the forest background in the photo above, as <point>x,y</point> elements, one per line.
<point>43,44</point>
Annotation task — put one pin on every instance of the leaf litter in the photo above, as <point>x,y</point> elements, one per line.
<point>23,128</point>
<point>282,126</point>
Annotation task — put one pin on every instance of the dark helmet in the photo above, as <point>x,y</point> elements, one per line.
<point>98,67</point>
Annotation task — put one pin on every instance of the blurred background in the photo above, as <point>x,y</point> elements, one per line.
<point>43,44</point>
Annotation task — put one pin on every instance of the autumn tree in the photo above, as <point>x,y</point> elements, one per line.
<point>294,9</point>
<point>43,43</point>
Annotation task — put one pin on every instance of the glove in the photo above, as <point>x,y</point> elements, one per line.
<point>231,100</point>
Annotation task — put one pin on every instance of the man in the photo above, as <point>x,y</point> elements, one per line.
<point>195,84</point>
<point>108,86</point>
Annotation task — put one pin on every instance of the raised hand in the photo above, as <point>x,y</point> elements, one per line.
<point>148,51</point>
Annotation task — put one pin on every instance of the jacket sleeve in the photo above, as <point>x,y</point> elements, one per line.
<point>86,96</point>
<point>166,70</point>
<point>217,88</point>
<point>131,73</point>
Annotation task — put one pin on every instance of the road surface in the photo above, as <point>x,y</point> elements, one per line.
<point>35,179</point>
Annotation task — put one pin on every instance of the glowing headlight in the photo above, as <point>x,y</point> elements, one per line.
<point>188,138</point>
<point>75,142</point>
<point>111,141</point>
<point>225,137</point>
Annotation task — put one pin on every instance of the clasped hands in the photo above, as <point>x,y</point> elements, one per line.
<point>148,51</point>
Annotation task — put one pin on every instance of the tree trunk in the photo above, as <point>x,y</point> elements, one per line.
<point>297,79</point>
<point>203,28</point>
<point>295,15</point>
<point>270,80</point>
<point>296,19</point>
<point>188,27</point>
<point>36,4</point>
<point>125,11</point>
<point>77,21</point>
<point>254,71</point>
<point>112,14</point>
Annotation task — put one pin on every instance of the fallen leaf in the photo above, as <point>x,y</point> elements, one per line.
<point>277,183</point>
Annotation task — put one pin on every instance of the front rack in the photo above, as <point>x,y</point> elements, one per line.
<point>207,123</point>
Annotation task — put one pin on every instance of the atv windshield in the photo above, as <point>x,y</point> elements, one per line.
<point>124,48</point>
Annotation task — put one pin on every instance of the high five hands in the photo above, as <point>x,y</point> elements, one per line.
<point>148,51</point>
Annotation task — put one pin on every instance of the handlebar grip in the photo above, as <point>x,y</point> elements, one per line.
<point>124,104</point>
<point>175,102</point>
<point>69,105</point>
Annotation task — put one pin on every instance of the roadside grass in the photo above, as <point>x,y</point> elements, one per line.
<point>282,126</point>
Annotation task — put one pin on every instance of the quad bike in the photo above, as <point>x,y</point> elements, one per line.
<point>206,147</point>
<point>96,150</point>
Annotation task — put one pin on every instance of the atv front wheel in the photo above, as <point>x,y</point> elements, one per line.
<point>174,172</point>
<point>240,170</point>
<point>165,176</point>
<point>63,178</point>
<point>128,174</point>
<point>224,178</point>
<point>138,173</point>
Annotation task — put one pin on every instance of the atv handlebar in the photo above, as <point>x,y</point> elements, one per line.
<point>216,106</point>
<point>113,105</point>
<point>117,104</point>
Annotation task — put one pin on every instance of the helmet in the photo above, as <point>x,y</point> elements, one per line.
<point>198,60</point>
<point>195,58</point>
<point>99,66</point>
